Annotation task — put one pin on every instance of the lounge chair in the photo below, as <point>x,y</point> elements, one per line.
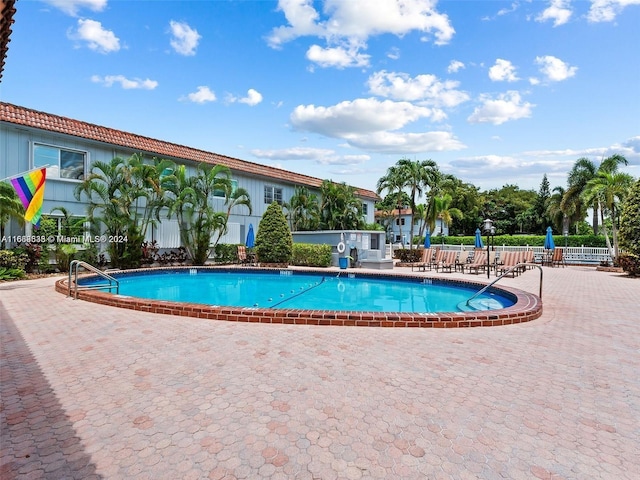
<point>437,258</point>
<point>526,257</point>
<point>479,262</point>
<point>464,259</point>
<point>558,258</point>
<point>508,260</point>
<point>243,257</point>
<point>425,261</point>
<point>449,261</point>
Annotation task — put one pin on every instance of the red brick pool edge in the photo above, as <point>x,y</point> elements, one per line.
<point>526,308</point>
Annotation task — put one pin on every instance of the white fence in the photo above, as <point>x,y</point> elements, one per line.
<point>571,255</point>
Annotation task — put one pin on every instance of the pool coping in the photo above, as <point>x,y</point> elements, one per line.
<point>527,306</point>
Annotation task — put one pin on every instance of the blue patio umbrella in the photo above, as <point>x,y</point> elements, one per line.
<point>548,240</point>
<point>427,240</point>
<point>251,239</point>
<point>479,243</point>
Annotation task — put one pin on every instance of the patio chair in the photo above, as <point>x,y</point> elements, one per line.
<point>479,262</point>
<point>509,259</point>
<point>464,259</point>
<point>526,257</point>
<point>243,257</point>
<point>558,258</point>
<point>425,261</point>
<point>448,261</point>
<point>437,258</point>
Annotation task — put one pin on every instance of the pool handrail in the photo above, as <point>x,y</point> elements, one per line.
<point>73,271</point>
<point>507,272</point>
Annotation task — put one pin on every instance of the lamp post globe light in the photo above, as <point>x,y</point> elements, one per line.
<point>488,227</point>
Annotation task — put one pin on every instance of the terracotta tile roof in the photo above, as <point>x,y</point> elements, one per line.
<point>7,9</point>
<point>54,123</point>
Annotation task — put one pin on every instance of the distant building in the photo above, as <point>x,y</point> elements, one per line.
<point>398,225</point>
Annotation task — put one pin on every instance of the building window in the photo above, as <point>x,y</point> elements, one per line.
<point>272,194</point>
<point>220,193</point>
<point>399,221</point>
<point>61,162</point>
<point>364,208</point>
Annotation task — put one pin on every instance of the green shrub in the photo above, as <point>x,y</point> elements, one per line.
<point>630,222</point>
<point>630,263</point>
<point>33,251</point>
<point>274,243</point>
<point>311,255</point>
<point>225,253</point>
<point>11,273</point>
<point>406,255</point>
<point>521,240</point>
<point>12,259</point>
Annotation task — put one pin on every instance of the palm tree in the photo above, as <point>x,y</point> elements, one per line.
<point>197,219</point>
<point>414,176</point>
<point>394,184</point>
<point>303,210</point>
<point>340,209</point>
<point>113,194</point>
<point>558,216</point>
<point>582,172</point>
<point>10,208</point>
<point>607,190</point>
<point>444,211</point>
<point>235,198</point>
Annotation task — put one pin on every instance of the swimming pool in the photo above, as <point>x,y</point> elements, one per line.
<point>526,306</point>
<point>289,289</point>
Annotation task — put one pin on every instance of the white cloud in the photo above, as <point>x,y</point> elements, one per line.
<point>253,98</point>
<point>557,11</point>
<point>426,89</point>
<point>360,116</point>
<point>369,124</point>
<point>71,7</point>
<point>202,95</point>
<point>126,83</point>
<point>555,69</point>
<point>502,71</point>
<point>505,11</point>
<point>393,53</point>
<point>340,56</point>
<point>507,106</point>
<point>454,66</point>
<point>607,10</point>
<point>97,38</point>
<point>353,23</point>
<point>405,143</point>
<point>320,156</point>
<point>184,38</point>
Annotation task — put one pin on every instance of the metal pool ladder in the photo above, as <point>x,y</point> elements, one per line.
<point>73,271</point>
<point>519,265</point>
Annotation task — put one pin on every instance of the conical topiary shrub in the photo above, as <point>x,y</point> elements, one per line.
<point>274,243</point>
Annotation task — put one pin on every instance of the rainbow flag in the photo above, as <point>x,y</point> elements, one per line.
<point>30,189</point>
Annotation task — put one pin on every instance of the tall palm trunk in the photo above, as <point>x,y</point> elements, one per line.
<point>606,233</point>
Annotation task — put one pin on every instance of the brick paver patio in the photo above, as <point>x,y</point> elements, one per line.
<point>89,391</point>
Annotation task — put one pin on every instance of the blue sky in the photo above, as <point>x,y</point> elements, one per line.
<point>495,92</point>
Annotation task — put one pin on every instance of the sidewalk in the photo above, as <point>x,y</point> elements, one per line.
<point>89,391</point>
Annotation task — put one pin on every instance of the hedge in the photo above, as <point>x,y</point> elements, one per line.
<point>522,240</point>
<point>311,255</point>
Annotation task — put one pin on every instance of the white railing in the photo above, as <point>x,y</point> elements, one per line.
<point>572,255</point>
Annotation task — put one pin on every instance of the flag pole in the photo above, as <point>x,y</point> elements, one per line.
<point>24,173</point>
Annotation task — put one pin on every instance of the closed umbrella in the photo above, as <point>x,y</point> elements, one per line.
<point>479,243</point>
<point>427,240</point>
<point>251,239</point>
<point>548,240</point>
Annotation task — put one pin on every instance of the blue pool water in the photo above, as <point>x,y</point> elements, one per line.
<point>296,290</point>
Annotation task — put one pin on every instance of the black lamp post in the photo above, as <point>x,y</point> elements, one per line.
<point>491,231</point>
